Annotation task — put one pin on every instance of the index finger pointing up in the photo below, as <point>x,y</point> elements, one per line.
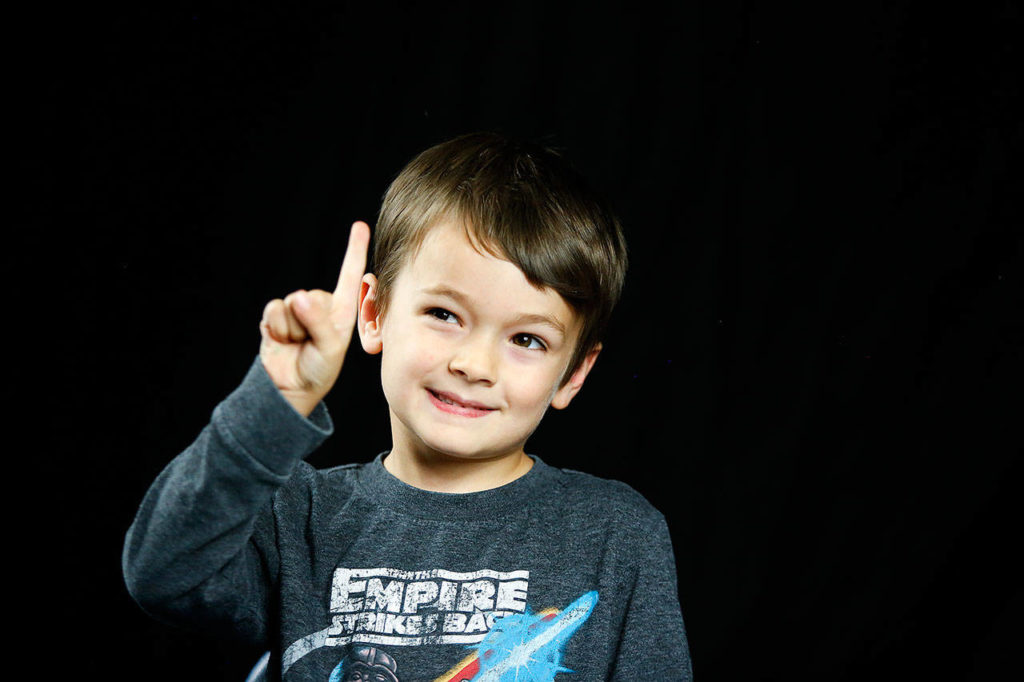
<point>346,293</point>
<point>354,264</point>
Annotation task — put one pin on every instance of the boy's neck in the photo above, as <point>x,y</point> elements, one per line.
<point>451,475</point>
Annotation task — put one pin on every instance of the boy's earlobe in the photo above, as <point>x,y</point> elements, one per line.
<point>564,395</point>
<point>368,324</point>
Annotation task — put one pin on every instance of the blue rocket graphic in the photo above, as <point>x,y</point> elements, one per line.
<point>528,647</point>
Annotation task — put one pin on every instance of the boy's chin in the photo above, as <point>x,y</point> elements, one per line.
<point>453,452</point>
<point>472,455</point>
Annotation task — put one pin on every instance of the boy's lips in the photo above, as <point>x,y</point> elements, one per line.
<point>452,402</point>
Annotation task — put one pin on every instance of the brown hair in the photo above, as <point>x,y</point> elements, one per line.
<point>520,201</point>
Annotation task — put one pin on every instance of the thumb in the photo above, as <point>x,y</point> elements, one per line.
<point>313,310</point>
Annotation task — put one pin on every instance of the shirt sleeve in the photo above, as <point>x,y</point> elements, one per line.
<point>653,642</point>
<point>201,551</point>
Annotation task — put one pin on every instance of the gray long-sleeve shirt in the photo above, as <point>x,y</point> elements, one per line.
<point>348,573</point>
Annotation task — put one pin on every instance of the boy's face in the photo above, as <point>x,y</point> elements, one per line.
<point>472,352</point>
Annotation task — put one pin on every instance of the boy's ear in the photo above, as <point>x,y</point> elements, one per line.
<point>565,394</point>
<point>369,317</point>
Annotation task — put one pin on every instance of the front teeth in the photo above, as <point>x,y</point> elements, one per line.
<point>446,400</point>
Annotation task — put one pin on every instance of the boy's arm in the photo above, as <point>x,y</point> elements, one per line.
<point>193,553</point>
<point>653,641</point>
<point>201,549</point>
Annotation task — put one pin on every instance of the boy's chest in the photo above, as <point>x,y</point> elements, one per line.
<point>447,600</point>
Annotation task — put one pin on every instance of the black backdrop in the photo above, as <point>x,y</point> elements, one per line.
<point>814,372</point>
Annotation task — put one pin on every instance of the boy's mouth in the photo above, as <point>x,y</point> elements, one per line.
<point>449,402</point>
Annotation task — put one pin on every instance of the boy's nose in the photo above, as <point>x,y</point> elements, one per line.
<point>474,362</point>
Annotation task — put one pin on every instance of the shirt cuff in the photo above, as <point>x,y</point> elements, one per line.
<point>266,425</point>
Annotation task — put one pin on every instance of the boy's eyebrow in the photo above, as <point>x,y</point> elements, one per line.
<point>525,318</point>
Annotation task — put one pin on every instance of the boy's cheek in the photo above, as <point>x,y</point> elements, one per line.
<point>418,358</point>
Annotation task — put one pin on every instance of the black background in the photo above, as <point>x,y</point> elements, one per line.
<point>814,372</point>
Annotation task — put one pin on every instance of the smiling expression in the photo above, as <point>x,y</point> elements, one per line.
<point>472,352</point>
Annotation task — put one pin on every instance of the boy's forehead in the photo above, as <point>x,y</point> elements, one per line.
<point>452,231</point>
<point>451,262</point>
<point>449,253</point>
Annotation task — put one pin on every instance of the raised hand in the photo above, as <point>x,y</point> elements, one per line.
<point>306,335</point>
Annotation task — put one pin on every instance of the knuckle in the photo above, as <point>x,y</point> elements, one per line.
<point>321,298</point>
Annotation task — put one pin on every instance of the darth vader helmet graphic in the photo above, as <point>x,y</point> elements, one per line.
<point>366,664</point>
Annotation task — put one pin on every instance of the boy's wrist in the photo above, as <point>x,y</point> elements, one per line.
<point>303,403</point>
<point>254,417</point>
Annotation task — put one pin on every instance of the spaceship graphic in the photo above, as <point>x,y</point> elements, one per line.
<point>526,647</point>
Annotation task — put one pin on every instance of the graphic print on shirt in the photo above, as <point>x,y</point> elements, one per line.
<point>524,648</point>
<point>408,608</point>
<point>484,610</point>
<point>366,664</point>
<point>519,648</point>
<point>394,607</point>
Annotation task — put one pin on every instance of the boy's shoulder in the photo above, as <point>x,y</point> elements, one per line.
<point>603,497</point>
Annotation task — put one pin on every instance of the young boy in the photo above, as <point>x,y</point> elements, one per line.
<point>454,555</point>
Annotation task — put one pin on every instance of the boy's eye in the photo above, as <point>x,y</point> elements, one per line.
<point>443,315</point>
<point>528,341</point>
